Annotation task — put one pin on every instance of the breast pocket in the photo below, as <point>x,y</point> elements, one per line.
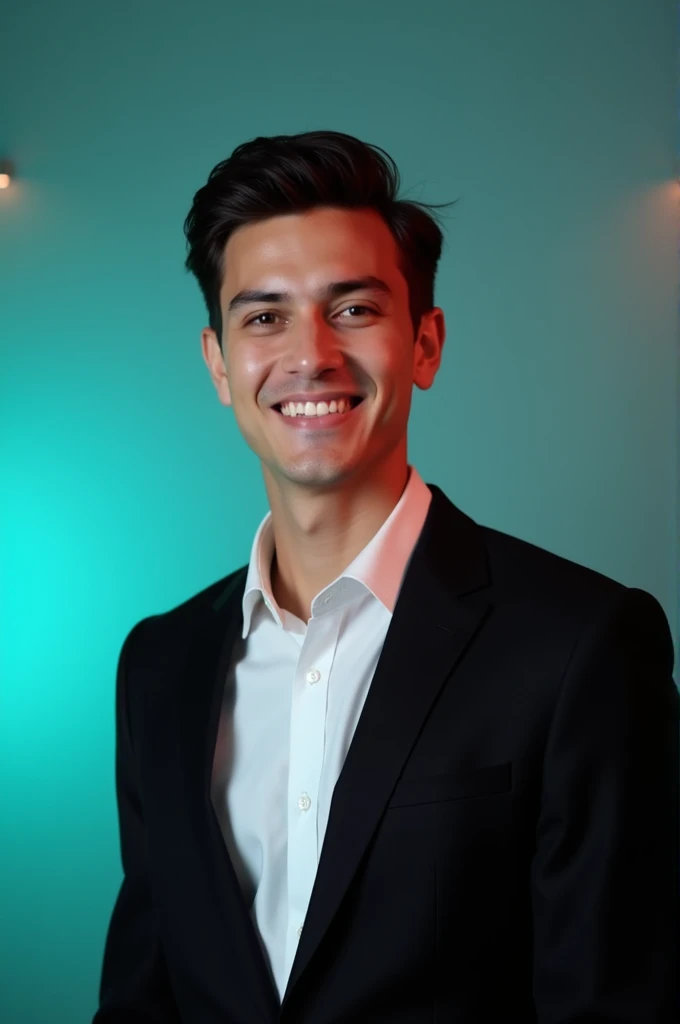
<point>478,782</point>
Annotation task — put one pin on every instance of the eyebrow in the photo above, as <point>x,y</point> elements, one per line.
<point>333,290</point>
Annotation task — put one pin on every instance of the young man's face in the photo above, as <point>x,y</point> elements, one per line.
<point>306,344</point>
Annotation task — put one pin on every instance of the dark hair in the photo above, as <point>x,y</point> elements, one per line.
<point>282,174</point>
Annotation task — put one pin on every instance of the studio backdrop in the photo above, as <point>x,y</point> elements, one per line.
<point>125,486</point>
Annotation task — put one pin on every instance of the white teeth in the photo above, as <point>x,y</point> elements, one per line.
<point>315,408</point>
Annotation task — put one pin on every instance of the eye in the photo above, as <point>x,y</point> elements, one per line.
<point>364,310</point>
<point>256,318</point>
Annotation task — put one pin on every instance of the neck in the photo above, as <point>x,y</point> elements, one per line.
<point>318,534</point>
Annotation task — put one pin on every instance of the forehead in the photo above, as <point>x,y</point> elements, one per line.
<point>306,248</point>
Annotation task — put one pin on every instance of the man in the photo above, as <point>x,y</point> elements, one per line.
<point>401,767</point>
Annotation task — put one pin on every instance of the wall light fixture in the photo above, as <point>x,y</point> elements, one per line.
<point>6,173</point>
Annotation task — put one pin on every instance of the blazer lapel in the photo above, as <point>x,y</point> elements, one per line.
<point>226,918</point>
<point>430,629</point>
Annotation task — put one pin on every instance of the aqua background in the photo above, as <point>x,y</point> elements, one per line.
<point>125,484</point>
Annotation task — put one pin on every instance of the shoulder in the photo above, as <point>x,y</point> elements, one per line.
<point>516,570</point>
<point>517,566</point>
<point>171,631</point>
<point>555,590</point>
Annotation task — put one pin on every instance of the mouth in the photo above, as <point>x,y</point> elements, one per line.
<point>332,411</point>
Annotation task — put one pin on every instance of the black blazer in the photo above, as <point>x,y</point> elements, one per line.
<point>503,837</point>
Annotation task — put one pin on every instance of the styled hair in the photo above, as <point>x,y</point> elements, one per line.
<point>284,174</point>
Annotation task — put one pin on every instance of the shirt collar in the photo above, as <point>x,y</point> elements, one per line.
<point>378,569</point>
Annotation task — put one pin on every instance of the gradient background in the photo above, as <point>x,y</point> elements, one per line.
<point>126,487</point>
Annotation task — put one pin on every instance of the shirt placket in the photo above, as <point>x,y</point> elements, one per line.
<point>307,745</point>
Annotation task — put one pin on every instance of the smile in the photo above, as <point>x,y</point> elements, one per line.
<point>313,415</point>
<point>318,408</point>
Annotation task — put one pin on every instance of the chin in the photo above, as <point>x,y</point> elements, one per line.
<point>320,476</point>
<point>314,472</point>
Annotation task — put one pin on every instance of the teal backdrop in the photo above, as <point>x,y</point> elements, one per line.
<point>126,486</point>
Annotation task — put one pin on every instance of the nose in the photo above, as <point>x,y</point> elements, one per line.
<point>312,348</point>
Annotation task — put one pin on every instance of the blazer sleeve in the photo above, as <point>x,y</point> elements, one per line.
<point>605,871</point>
<point>134,986</point>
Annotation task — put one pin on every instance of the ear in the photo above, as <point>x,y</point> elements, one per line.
<point>427,351</point>
<point>214,360</point>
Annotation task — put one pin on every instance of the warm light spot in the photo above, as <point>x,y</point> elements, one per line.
<point>4,180</point>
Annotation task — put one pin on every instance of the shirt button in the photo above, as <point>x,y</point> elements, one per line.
<point>304,803</point>
<point>314,676</point>
<point>299,931</point>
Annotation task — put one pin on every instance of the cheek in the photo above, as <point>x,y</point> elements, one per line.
<point>247,372</point>
<point>392,370</point>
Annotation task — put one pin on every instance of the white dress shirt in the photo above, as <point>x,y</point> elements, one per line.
<point>292,699</point>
